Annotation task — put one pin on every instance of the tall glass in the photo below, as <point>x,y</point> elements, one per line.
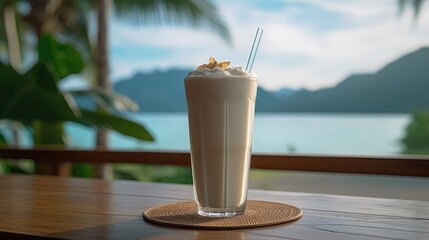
<point>221,112</point>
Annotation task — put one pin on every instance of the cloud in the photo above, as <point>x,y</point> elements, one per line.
<point>300,48</point>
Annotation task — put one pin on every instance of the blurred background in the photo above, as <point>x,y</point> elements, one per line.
<point>335,78</point>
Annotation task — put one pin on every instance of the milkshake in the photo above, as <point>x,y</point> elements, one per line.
<point>221,103</point>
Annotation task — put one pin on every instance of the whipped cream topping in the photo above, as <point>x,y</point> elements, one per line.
<point>219,72</point>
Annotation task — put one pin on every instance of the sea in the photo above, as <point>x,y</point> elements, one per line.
<point>277,133</point>
<point>280,133</point>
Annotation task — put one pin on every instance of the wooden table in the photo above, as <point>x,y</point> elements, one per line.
<point>54,207</point>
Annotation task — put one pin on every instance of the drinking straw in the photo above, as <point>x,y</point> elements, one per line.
<point>254,49</point>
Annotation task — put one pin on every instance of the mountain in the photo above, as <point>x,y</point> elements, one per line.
<point>284,92</point>
<point>159,91</point>
<point>265,100</point>
<point>400,87</point>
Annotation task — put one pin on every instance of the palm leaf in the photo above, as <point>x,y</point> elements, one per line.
<point>49,133</point>
<point>194,13</point>
<point>74,19</point>
<point>62,59</point>
<point>117,123</point>
<point>29,98</point>
<point>108,99</point>
<point>415,4</point>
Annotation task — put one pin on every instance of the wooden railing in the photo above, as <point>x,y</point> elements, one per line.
<point>397,165</point>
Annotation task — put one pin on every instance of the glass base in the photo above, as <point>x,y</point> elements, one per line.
<point>220,212</point>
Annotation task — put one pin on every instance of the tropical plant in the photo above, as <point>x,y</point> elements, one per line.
<point>416,140</point>
<point>69,19</point>
<point>22,24</point>
<point>34,99</point>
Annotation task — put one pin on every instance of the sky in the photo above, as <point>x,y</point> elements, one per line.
<point>308,44</point>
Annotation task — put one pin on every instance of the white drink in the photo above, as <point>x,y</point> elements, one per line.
<point>221,113</point>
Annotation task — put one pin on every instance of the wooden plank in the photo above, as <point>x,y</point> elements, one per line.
<point>400,165</point>
<point>178,192</point>
<point>90,209</point>
<point>392,165</point>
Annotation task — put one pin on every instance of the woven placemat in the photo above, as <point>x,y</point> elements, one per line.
<point>258,214</point>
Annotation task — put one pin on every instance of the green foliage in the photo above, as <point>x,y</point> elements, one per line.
<point>84,170</point>
<point>416,140</point>
<point>61,59</point>
<point>35,97</point>
<point>37,90</point>
<point>122,125</point>
<point>56,134</point>
<point>17,166</point>
<point>151,173</point>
